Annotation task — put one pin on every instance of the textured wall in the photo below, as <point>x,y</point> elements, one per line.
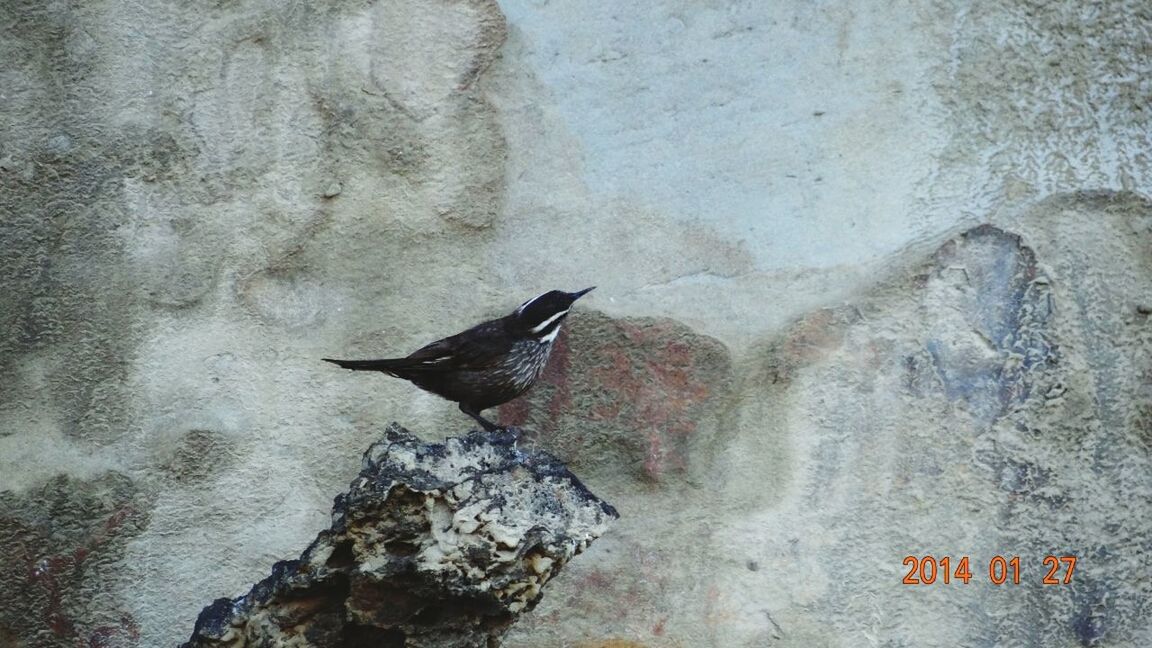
<point>804,360</point>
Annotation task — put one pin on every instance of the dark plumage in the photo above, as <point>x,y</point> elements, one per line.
<point>490,363</point>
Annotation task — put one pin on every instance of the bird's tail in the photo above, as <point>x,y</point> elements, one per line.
<point>367,365</point>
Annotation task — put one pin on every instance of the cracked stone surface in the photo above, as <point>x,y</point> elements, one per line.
<point>434,545</point>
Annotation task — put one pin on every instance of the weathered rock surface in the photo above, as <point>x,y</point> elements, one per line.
<point>433,545</point>
<point>991,399</point>
<point>779,382</point>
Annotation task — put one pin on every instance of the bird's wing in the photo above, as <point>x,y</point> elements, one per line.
<point>441,355</point>
<point>476,348</point>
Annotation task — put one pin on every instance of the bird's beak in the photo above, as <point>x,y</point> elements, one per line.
<point>581,293</point>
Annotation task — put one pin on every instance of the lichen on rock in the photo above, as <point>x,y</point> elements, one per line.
<point>432,545</point>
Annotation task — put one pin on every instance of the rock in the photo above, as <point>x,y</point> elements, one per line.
<point>432,545</point>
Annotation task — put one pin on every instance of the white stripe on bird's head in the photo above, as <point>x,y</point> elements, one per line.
<point>542,326</point>
<point>551,337</point>
<point>521,308</point>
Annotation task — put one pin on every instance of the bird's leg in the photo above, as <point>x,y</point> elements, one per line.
<point>488,426</point>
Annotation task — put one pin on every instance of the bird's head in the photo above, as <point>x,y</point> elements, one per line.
<point>541,316</point>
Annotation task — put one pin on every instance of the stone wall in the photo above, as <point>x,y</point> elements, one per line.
<point>873,281</point>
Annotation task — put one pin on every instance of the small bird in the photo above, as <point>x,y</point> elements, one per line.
<point>490,363</point>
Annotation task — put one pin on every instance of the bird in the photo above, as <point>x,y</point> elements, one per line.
<point>488,364</point>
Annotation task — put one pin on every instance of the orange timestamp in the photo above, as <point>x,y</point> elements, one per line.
<point>927,570</point>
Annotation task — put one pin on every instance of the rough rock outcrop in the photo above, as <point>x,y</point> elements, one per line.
<point>433,545</point>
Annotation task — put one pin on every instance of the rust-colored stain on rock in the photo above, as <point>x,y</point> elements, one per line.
<point>629,392</point>
<point>59,539</point>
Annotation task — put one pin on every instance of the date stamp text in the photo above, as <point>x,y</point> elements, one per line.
<point>1001,570</point>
